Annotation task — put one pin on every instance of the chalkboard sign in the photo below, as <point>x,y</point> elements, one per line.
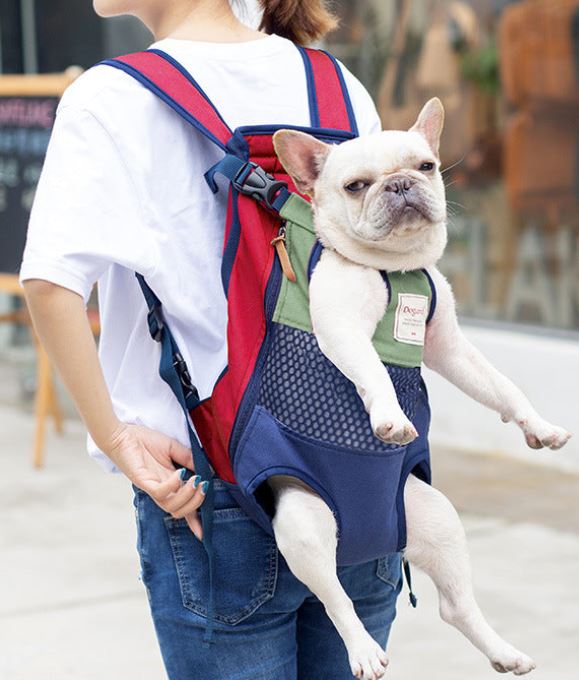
<point>27,111</point>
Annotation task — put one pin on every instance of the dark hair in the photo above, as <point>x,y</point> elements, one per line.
<point>301,21</point>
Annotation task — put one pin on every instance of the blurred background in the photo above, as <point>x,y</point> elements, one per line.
<point>71,605</point>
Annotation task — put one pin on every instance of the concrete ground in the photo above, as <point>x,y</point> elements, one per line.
<point>72,607</point>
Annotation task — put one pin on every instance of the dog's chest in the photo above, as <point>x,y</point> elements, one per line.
<point>394,307</point>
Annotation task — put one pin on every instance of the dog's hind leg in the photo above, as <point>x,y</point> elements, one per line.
<point>436,544</point>
<point>305,531</point>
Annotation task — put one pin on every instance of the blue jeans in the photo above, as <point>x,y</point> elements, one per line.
<point>268,624</point>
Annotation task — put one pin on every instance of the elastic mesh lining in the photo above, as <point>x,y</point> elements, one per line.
<point>306,392</point>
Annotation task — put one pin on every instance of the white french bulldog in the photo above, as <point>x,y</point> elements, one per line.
<point>379,204</point>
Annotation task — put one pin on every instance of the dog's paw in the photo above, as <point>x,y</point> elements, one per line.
<point>510,660</point>
<point>390,434</point>
<point>367,659</point>
<point>392,428</point>
<point>539,433</point>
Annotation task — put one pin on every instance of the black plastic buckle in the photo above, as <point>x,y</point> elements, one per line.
<point>259,184</point>
<point>180,366</point>
<point>156,322</point>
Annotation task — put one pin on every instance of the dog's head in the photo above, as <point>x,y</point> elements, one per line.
<point>379,199</point>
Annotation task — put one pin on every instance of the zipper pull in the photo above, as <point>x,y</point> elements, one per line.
<point>279,243</point>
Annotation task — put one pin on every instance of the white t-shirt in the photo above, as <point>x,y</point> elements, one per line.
<point>122,190</point>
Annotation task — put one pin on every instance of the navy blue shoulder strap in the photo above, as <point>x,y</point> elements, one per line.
<point>432,295</point>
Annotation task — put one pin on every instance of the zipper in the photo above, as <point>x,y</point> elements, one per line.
<point>249,398</point>
<point>280,248</point>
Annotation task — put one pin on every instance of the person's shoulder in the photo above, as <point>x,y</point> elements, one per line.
<point>100,88</point>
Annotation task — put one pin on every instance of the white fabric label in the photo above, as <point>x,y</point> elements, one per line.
<point>410,320</point>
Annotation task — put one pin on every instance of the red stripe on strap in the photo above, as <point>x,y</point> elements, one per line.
<point>331,104</point>
<point>171,81</point>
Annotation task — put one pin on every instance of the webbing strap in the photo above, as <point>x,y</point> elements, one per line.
<point>330,104</point>
<point>229,166</point>
<point>329,100</point>
<point>166,78</point>
<point>251,180</point>
<point>170,373</point>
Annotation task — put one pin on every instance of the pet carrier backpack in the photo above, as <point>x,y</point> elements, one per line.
<point>280,406</point>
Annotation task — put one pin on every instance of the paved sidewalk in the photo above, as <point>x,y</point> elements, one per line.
<point>72,607</point>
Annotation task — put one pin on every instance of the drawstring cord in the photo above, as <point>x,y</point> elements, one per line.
<point>408,575</point>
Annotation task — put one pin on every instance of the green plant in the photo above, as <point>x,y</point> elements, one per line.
<point>481,67</point>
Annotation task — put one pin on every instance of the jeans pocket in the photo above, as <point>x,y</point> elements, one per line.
<point>389,569</point>
<point>245,565</point>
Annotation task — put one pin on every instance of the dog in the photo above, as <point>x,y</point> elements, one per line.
<point>379,204</point>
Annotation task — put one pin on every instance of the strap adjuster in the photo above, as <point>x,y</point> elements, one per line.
<point>252,180</point>
<point>189,390</point>
<point>156,322</point>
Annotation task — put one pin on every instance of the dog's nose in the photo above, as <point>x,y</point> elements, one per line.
<point>398,185</point>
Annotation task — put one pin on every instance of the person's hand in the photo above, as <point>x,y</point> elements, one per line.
<point>146,457</point>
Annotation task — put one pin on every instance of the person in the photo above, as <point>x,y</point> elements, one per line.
<point>122,190</point>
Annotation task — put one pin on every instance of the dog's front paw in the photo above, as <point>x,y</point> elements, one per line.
<point>392,427</point>
<point>539,433</point>
<point>367,659</point>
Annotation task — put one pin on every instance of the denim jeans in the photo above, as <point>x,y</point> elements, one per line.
<point>268,624</point>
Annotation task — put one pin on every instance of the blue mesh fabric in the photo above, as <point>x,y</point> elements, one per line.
<point>306,392</point>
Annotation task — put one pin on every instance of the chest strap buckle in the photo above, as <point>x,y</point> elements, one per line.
<point>252,180</point>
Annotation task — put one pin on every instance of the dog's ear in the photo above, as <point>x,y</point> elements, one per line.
<point>302,156</point>
<point>429,123</point>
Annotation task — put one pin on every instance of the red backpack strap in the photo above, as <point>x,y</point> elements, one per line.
<point>329,100</point>
<point>166,78</point>
<point>330,105</point>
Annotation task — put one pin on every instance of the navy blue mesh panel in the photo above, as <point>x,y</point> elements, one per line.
<point>305,391</point>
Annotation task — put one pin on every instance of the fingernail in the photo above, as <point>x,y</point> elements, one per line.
<point>204,487</point>
<point>196,480</point>
<point>182,473</point>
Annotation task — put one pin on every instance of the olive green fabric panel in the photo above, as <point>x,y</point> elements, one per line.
<point>292,306</point>
<point>297,209</point>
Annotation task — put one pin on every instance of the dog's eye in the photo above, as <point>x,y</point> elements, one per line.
<point>358,185</point>
<point>426,167</point>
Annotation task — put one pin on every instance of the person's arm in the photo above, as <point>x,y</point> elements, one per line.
<point>143,455</point>
<point>87,214</point>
